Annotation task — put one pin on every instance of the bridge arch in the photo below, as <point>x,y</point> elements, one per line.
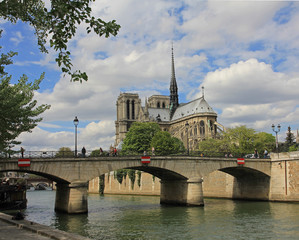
<point>161,173</point>
<point>42,174</point>
<point>241,172</point>
<point>244,183</point>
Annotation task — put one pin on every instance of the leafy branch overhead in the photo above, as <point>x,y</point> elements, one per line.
<point>59,23</point>
<point>18,110</point>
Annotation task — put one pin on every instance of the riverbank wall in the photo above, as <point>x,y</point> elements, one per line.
<point>217,184</point>
<point>283,184</point>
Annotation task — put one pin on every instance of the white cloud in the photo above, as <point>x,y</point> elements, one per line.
<point>18,38</point>
<point>93,136</point>
<point>212,46</point>
<point>252,93</point>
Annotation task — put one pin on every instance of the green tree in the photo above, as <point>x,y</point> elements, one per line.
<point>58,24</point>
<point>120,175</point>
<point>293,148</point>
<point>290,139</point>
<point>242,139</point>
<point>5,59</point>
<point>138,138</point>
<point>64,152</point>
<point>178,145</point>
<point>95,153</point>
<point>239,141</point>
<point>165,144</point>
<point>132,176</point>
<point>264,141</point>
<point>18,111</point>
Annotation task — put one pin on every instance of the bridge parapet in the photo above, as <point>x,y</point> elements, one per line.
<point>285,156</point>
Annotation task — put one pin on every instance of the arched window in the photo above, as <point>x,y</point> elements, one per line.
<point>195,131</point>
<point>128,109</point>
<point>163,105</point>
<point>202,128</point>
<point>133,109</point>
<point>158,105</point>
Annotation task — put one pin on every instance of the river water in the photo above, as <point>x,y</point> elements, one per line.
<point>142,217</point>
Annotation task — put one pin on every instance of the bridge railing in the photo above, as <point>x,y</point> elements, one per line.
<point>92,153</point>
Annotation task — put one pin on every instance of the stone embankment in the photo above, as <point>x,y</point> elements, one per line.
<point>27,230</point>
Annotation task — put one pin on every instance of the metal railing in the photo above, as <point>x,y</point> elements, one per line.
<point>91,153</point>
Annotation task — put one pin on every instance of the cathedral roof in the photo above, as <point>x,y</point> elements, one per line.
<point>198,105</point>
<point>162,112</point>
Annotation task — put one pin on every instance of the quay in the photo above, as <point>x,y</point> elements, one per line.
<point>27,230</point>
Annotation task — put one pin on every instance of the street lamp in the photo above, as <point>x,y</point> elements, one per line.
<point>276,131</point>
<point>76,122</point>
<point>187,127</point>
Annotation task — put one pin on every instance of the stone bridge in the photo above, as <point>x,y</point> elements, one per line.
<point>181,176</point>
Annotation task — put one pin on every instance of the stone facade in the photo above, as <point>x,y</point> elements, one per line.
<point>284,177</point>
<point>192,121</point>
<point>149,185</point>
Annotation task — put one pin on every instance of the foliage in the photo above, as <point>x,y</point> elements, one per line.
<point>5,59</point>
<point>18,111</point>
<point>120,175</point>
<point>290,139</point>
<point>239,141</point>
<point>138,138</point>
<point>64,152</point>
<point>95,153</point>
<point>211,145</point>
<point>264,141</point>
<point>165,144</point>
<point>139,178</point>
<point>58,24</point>
<point>178,145</point>
<point>98,153</point>
<point>142,136</point>
<point>132,176</point>
<point>293,148</point>
<point>125,173</point>
<point>102,183</point>
<point>242,139</point>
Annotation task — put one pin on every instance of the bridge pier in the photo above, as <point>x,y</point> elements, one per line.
<point>71,198</point>
<point>182,192</point>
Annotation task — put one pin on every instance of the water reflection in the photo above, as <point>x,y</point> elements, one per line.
<point>142,217</point>
<point>71,223</point>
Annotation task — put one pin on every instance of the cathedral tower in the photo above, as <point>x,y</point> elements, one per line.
<point>174,97</point>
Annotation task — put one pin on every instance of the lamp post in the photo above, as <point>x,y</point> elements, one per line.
<point>187,128</point>
<point>76,122</point>
<point>276,131</point>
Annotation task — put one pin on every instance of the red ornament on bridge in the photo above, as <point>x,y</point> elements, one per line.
<point>145,159</point>
<point>24,162</point>
<point>240,161</point>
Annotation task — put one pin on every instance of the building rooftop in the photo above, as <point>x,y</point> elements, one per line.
<point>198,105</point>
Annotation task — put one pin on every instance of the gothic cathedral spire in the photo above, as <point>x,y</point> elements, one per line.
<point>174,97</point>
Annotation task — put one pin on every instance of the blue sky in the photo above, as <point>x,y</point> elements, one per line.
<point>245,54</point>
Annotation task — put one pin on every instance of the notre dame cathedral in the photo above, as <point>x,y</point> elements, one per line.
<point>193,121</point>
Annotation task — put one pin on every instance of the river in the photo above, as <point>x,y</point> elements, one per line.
<point>142,217</point>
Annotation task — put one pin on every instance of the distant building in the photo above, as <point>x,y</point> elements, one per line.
<point>197,117</point>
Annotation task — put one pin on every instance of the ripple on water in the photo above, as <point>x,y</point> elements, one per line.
<point>142,217</point>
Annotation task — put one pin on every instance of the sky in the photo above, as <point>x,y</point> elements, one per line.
<point>244,53</point>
